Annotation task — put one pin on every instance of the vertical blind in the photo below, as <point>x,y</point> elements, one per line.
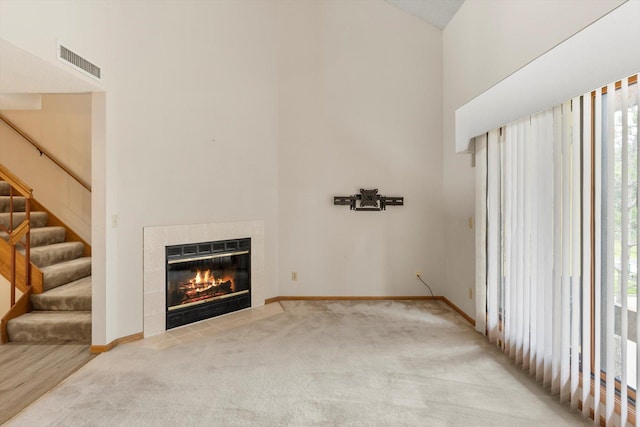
<point>557,248</point>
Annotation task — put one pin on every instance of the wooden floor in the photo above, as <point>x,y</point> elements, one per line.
<point>29,371</point>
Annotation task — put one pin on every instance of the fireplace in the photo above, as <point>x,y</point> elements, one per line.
<point>207,279</point>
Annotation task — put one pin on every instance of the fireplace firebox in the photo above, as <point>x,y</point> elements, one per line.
<point>207,279</point>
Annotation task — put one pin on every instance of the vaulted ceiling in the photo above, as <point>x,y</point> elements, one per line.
<point>436,12</point>
<point>21,70</point>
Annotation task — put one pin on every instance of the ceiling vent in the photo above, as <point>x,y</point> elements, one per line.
<point>78,62</point>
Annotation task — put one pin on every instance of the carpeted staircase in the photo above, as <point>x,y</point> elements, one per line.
<point>62,313</point>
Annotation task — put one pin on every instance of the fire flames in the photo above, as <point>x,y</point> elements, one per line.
<point>200,278</point>
<point>205,285</point>
<point>206,280</point>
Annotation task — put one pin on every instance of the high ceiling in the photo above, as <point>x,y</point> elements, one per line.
<point>436,12</point>
<point>22,72</point>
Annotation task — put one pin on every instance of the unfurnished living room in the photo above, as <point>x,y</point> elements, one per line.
<point>319,212</point>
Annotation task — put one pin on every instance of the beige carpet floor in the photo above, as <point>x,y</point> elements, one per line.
<point>386,363</point>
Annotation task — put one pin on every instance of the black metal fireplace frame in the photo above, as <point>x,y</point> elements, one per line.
<point>194,313</point>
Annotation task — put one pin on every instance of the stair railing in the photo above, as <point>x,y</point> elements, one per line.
<point>17,233</point>
<point>43,152</point>
<point>23,230</point>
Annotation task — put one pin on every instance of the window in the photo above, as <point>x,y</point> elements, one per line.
<point>621,280</point>
<point>557,193</point>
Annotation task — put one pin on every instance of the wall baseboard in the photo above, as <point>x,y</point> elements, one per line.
<point>376,298</point>
<point>140,335</point>
<point>122,340</point>
<point>459,311</point>
<point>346,298</point>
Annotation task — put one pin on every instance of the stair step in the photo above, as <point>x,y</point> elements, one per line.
<point>19,203</point>
<point>51,327</point>
<point>74,296</point>
<point>4,188</point>
<point>38,219</point>
<point>44,256</point>
<point>65,272</point>
<point>43,236</point>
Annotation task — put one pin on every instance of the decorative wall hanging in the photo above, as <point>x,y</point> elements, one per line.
<point>369,200</point>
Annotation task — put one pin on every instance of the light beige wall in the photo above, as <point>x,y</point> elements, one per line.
<point>359,107</point>
<point>62,127</point>
<point>190,125</point>
<point>485,42</point>
<point>5,296</point>
<point>227,110</point>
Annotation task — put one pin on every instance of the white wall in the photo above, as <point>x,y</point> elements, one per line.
<point>63,127</point>
<point>196,132</point>
<point>229,111</point>
<point>360,107</point>
<point>484,43</point>
<point>191,124</point>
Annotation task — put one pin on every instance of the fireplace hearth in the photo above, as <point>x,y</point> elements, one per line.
<point>207,279</point>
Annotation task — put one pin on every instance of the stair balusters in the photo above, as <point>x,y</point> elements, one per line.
<point>15,236</point>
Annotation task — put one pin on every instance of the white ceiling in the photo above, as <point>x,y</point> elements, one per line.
<point>436,12</point>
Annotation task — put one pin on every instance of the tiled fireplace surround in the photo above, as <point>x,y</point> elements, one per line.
<point>155,240</point>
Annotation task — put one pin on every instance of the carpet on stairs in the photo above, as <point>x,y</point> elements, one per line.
<point>74,296</point>
<point>62,313</point>
<point>51,327</point>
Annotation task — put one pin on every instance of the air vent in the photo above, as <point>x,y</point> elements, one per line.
<point>78,62</point>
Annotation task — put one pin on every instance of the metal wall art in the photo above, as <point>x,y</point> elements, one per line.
<point>369,200</point>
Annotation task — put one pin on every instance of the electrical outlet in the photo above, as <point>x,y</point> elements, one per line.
<point>294,276</point>
<point>418,274</point>
<point>470,293</point>
<point>114,221</point>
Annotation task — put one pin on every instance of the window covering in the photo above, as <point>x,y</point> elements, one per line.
<point>557,237</point>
